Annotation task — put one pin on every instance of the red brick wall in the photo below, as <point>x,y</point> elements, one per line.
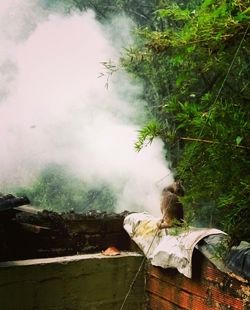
<point>208,289</point>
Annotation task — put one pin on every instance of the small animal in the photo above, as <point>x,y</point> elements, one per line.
<point>171,207</point>
<point>176,188</point>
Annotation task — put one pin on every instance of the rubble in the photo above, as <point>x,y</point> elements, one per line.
<point>27,232</point>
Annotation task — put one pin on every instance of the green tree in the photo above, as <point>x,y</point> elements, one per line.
<point>140,11</point>
<point>58,190</point>
<point>195,69</point>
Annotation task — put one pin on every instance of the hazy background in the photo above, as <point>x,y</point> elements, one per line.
<point>56,111</point>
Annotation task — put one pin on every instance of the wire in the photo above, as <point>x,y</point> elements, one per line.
<point>219,91</point>
<point>144,258</point>
<point>231,65</point>
<point>132,283</point>
<point>139,270</point>
<point>216,98</point>
<point>222,85</point>
<point>163,178</point>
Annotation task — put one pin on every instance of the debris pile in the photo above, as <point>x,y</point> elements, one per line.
<point>27,232</point>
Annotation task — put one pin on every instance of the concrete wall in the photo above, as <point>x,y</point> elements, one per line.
<point>82,282</point>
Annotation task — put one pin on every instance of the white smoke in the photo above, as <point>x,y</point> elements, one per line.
<point>55,109</point>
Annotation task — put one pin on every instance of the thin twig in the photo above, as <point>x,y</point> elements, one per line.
<point>213,142</point>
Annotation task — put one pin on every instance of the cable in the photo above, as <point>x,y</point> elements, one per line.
<point>139,269</point>
<point>143,260</point>
<point>222,85</point>
<point>216,98</point>
<point>219,91</point>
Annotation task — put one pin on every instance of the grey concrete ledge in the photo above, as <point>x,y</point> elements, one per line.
<point>65,259</point>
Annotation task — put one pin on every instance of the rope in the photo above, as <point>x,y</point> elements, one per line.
<point>216,98</point>
<point>133,282</point>
<point>138,271</point>
<point>231,65</point>
<point>222,85</point>
<point>219,91</point>
<point>163,178</point>
<point>143,260</point>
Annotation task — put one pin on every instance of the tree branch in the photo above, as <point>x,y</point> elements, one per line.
<point>212,142</point>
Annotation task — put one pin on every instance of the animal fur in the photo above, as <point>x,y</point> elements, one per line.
<point>171,207</point>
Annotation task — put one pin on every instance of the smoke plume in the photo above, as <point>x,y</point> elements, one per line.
<point>55,108</point>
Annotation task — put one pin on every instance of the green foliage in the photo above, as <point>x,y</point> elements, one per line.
<point>179,228</point>
<point>193,58</point>
<point>173,11</point>
<point>56,189</point>
<point>147,134</point>
<point>140,11</point>
<point>195,68</point>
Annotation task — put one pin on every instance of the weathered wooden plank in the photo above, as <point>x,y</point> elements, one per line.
<point>28,209</point>
<point>36,229</point>
<point>9,202</point>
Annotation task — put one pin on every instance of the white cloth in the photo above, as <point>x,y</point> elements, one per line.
<point>167,248</point>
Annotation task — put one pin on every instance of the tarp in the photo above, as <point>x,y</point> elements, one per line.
<point>167,248</point>
<point>215,248</point>
<point>239,259</point>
